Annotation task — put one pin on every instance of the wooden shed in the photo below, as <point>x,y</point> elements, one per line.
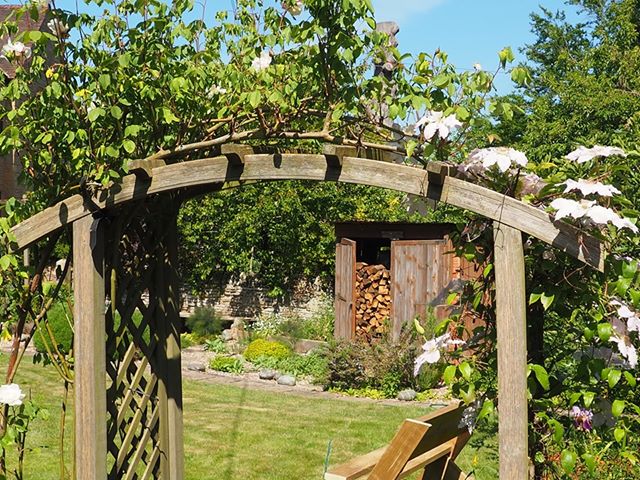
<point>387,274</point>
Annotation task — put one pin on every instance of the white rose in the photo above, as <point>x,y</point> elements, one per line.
<point>11,395</point>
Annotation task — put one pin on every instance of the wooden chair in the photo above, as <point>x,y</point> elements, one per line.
<point>430,443</point>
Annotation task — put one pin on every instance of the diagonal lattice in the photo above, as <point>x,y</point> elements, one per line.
<point>134,262</point>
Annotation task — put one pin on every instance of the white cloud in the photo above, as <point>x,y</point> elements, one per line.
<point>401,10</point>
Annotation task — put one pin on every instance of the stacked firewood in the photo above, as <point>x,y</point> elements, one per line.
<point>373,300</point>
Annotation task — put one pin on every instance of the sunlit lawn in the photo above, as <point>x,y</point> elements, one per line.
<point>235,433</point>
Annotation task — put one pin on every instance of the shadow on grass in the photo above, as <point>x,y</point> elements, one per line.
<point>235,428</point>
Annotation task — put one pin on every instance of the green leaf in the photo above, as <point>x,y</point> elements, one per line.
<point>466,370</point>
<point>590,462</point>
<point>254,98</point>
<point>95,113</point>
<point>449,374</point>
<point>124,60</point>
<point>487,409</point>
<point>104,80</point>
<point>622,285</point>
<point>631,380</point>
<point>116,112</point>
<point>506,56</point>
<point>47,287</point>
<point>629,269</point>
<point>487,270</point>
<point>617,407</point>
<point>132,130</point>
<point>568,460</point>
<point>605,331</point>
<point>588,398</point>
<point>441,80</point>
<point>129,146</point>
<point>5,261</point>
<point>558,431</point>
<point>546,300</point>
<point>419,327</point>
<point>619,434</point>
<point>541,375</point>
<point>613,377</point>
<point>534,297</point>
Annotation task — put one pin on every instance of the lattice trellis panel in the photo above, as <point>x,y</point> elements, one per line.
<point>137,267</point>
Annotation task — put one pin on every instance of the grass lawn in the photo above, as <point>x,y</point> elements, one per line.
<point>235,433</point>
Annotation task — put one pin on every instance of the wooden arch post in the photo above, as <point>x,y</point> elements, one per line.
<point>511,327</point>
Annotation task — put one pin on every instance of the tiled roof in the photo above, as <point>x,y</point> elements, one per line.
<point>25,23</point>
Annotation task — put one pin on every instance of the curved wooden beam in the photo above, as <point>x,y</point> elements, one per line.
<point>273,167</point>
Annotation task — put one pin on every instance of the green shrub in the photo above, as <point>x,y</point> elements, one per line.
<point>187,340</point>
<point>226,364</point>
<point>266,348</point>
<point>60,324</point>
<point>204,322</point>
<point>345,365</point>
<point>312,365</point>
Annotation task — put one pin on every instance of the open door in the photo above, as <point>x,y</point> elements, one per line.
<point>345,325</point>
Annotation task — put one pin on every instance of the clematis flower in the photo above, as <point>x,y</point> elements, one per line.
<point>469,416</point>
<point>262,62</point>
<point>11,395</point>
<point>583,154</point>
<point>294,8</point>
<point>503,157</point>
<point>431,353</point>
<point>626,349</point>
<point>531,184</point>
<point>587,187</point>
<point>58,28</point>
<point>216,90</point>
<point>436,123</point>
<point>16,50</point>
<point>588,209</point>
<point>582,418</point>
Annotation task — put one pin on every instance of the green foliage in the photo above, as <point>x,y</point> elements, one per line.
<point>385,366</point>
<point>204,322</point>
<point>216,345</point>
<point>278,233</point>
<point>226,364</point>
<point>188,340</point>
<point>312,365</point>
<point>60,325</point>
<point>266,348</point>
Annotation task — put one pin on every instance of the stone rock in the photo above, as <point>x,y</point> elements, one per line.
<point>197,367</point>
<point>227,335</point>
<point>407,395</point>
<point>237,330</point>
<point>267,374</point>
<point>287,380</point>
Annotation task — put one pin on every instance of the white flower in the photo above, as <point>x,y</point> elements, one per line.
<point>216,90</point>
<point>503,157</point>
<point>624,312</point>
<point>11,395</point>
<point>432,349</point>
<point>587,187</point>
<point>469,415</point>
<point>531,184</point>
<point>293,9</point>
<point>436,122</point>
<point>584,154</point>
<point>262,62</point>
<point>58,28</point>
<point>588,209</point>
<point>17,50</point>
<point>626,349</point>
<point>477,67</point>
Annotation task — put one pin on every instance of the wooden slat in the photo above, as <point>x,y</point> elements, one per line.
<point>512,352</point>
<point>89,350</point>
<point>142,446</point>
<point>402,178</point>
<point>345,289</point>
<point>399,451</point>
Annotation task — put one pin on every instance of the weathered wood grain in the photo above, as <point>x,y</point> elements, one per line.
<point>89,350</point>
<point>511,322</point>
<point>345,326</point>
<point>412,180</point>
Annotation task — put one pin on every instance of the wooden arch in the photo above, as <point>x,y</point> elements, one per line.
<point>135,429</point>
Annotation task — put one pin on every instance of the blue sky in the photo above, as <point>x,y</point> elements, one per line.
<point>469,31</point>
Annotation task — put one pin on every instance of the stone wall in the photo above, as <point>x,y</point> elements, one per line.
<point>243,299</point>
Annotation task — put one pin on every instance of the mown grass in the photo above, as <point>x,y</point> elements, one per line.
<point>237,433</point>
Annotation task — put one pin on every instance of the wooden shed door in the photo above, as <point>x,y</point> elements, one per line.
<point>420,271</point>
<point>345,326</point>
